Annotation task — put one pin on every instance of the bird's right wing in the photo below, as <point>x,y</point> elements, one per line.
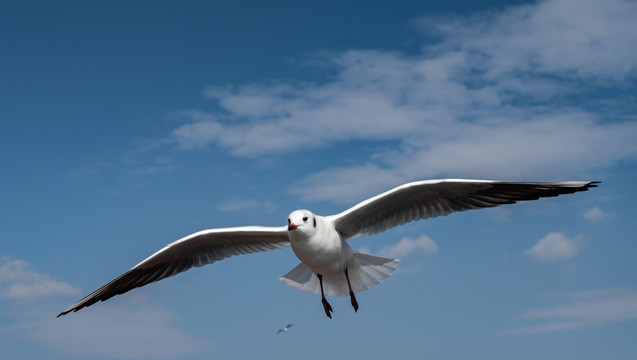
<point>199,249</point>
<point>426,199</point>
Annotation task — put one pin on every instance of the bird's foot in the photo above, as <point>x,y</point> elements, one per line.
<point>327,307</point>
<point>354,302</point>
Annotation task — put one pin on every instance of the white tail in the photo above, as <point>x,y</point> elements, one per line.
<point>364,272</point>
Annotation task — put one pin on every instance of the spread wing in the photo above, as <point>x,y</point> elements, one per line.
<point>198,249</point>
<point>426,199</point>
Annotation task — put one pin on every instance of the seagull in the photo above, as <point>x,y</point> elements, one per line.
<point>329,266</point>
<point>285,329</point>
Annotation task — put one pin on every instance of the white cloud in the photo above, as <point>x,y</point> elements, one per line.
<point>126,327</point>
<point>585,309</point>
<point>351,184</point>
<point>131,327</point>
<point>477,104</point>
<point>570,38</point>
<point>20,283</point>
<point>571,144</point>
<point>199,133</point>
<point>596,214</point>
<point>407,246</point>
<point>553,247</point>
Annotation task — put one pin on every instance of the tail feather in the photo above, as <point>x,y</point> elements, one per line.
<point>364,272</point>
<point>302,278</point>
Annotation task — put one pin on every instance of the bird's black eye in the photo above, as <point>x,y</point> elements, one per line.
<point>304,218</point>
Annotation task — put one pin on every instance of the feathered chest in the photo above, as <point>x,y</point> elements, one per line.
<point>321,247</point>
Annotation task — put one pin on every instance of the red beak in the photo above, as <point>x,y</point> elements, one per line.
<point>292,227</point>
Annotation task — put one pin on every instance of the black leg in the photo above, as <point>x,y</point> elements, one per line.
<point>326,305</point>
<point>351,293</point>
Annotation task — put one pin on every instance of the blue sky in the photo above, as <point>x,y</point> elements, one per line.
<point>127,125</point>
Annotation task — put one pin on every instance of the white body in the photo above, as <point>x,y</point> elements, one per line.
<point>322,250</point>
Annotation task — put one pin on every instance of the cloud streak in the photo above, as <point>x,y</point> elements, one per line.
<point>20,283</point>
<point>583,309</point>
<point>237,204</point>
<point>132,327</point>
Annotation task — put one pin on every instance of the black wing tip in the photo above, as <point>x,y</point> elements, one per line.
<point>67,311</point>
<point>579,185</point>
<point>588,185</point>
<point>73,308</point>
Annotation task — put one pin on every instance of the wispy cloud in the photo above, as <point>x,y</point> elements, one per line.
<point>583,309</point>
<point>21,283</point>
<point>475,104</point>
<point>236,204</point>
<point>596,214</point>
<point>148,158</point>
<point>553,247</point>
<point>406,246</point>
<point>423,245</point>
<point>548,38</point>
<point>132,327</point>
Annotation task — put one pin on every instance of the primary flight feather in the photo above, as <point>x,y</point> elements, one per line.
<point>328,264</point>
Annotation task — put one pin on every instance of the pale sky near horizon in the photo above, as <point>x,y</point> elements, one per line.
<point>125,126</point>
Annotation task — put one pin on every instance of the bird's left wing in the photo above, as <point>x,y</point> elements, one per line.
<point>199,249</point>
<point>430,198</point>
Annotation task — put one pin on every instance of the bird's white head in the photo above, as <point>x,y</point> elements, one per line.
<point>302,221</point>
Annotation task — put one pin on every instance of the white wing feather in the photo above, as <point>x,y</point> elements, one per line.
<point>199,249</point>
<point>426,199</point>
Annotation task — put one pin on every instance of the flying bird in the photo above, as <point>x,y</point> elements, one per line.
<point>285,329</point>
<point>329,266</point>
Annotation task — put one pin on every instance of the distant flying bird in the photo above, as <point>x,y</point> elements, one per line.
<point>285,329</point>
<point>328,263</point>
